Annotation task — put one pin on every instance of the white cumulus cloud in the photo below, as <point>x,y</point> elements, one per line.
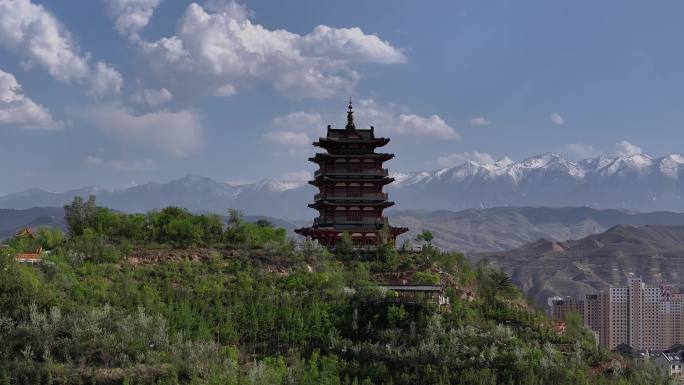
<point>297,128</point>
<point>217,43</point>
<point>557,119</point>
<point>178,133</point>
<point>92,160</point>
<point>37,36</point>
<point>153,97</point>
<point>578,151</point>
<point>349,44</point>
<point>452,160</point>
<point>391,118</point>
<point>225,90</point>
<point>289,138</point>
<point>131,16</point>
<point>300,121</point>
<point>625,148</point>
<point>121,164</point>
<point>17,110</point>
<point>480,121</point>
<point>432,125</point>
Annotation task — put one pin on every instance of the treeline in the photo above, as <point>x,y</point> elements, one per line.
<point>105,235</point>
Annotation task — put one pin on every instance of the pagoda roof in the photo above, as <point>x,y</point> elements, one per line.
<point>354,134</point>
<point>385,180</point>
<point>356,203</point>
<point>25,233</point>
<point>323,155</point>
<point>350,133</point>
<point>311,230</point>
<point>350,137</point>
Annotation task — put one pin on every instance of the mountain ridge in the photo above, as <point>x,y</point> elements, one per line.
<point>546,268</point>
<point>636,182</point>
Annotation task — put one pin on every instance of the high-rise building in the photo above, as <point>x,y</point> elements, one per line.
<point>596,316</point>
<point>559,307</point>
<point>641,315</point>
<point>618,316</point>
<point>670,320</point>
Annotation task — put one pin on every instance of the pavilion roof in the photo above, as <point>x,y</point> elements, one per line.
<point>25,232</point>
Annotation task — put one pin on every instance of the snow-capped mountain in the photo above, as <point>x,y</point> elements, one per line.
<point>637,182</point>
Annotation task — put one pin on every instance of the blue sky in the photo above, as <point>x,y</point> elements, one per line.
<point>119,92</point>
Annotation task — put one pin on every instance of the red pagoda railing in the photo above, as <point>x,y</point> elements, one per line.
<point>363,221</point>
<point>381,172</point>
<point>369,196</point>
<point>28,258</point>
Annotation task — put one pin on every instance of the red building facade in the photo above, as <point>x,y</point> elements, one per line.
<point>350,180</point>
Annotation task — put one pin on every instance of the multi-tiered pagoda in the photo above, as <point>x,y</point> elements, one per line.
<point>350,181</point>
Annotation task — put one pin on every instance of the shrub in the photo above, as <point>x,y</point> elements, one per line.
<point>425,278</point>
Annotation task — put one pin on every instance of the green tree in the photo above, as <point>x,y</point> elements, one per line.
<point>425,278</point>
<point>425,236</point>
<point>264,223</point>
<point>235,217</point>
<point>344,247</point>
<point>50,239</point>
<point>80,214</point>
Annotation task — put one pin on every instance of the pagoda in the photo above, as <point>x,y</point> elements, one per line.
<point>350,179</point>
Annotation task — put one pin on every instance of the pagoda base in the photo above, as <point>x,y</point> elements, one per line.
<point>329,237</point>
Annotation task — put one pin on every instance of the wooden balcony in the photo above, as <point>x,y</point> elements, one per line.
<point>379,172</point>
<point>342,196</point>
<point>339,223</point>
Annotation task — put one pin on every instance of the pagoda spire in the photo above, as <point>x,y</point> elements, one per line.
<point>350,117</point>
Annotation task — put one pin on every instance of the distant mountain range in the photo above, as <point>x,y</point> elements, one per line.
<point>196,193</point>
<point>505,228</point>
<point>11,221</point>
<point>578,267</point>
<point>637,182</point>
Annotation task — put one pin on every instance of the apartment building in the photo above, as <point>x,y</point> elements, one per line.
<point>559,307</point>
<point>640,315</point>
<point>596,316</point>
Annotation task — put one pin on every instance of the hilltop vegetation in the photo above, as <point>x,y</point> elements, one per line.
<point>255,309</point>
